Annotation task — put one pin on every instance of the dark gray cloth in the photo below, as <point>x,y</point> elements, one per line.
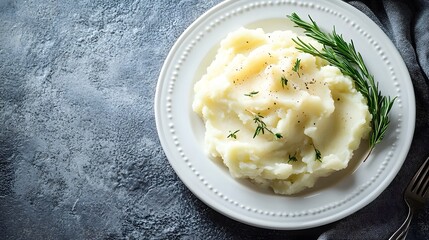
<point>79,152</point>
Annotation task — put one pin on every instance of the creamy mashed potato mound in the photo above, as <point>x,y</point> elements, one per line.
<point>318,115</point>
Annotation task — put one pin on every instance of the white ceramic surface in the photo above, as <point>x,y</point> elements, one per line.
<point>181,132</point>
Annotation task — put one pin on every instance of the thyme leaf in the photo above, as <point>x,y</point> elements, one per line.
<point>296,66</point>
<point>318,154</point>
<point>261,126</point>
<point>284,81</point>
<point>292,158</point>
<point>233,134</point>
<point>251,94</point>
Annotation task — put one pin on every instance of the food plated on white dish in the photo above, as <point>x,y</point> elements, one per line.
<point>183,133</point>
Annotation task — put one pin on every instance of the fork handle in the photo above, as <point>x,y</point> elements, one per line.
<point>402,231</point>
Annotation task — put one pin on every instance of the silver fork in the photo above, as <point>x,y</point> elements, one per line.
<point>415,196</point>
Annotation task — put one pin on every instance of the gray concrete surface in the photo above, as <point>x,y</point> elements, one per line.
<point>79,153</point>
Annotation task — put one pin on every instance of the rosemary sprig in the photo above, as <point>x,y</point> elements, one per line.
<point>343,55</point>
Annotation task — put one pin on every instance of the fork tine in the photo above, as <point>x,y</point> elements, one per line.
<point>424,188</point>
<point>420,180</point>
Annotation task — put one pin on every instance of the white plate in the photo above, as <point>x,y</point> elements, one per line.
<point>181,132</point>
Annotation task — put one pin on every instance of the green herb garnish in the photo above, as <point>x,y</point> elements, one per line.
<point>343,55</point>
<point>251,94</point>
<point>296,66</point>
<point>284,81</point>
<point>292,158</point>
<point>318,154</point>
<point>233,134</point>
<point>278,135</point>
<point>262,126</point>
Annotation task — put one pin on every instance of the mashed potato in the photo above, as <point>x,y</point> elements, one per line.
<point>276,115</point>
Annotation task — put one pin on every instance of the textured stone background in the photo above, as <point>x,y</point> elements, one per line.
<point>79,153</point>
